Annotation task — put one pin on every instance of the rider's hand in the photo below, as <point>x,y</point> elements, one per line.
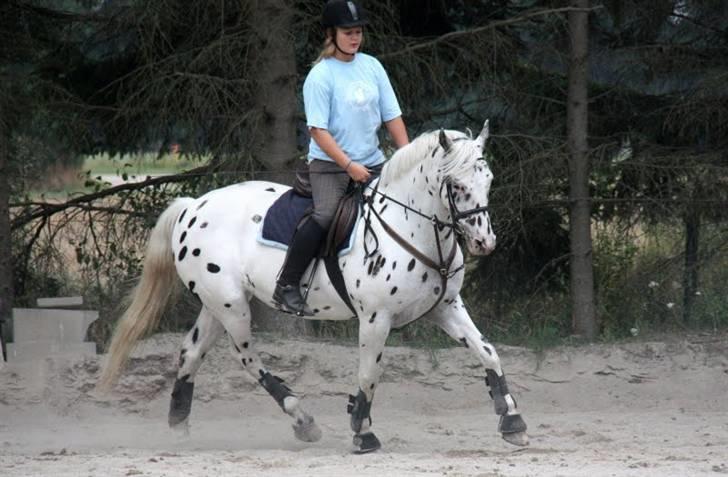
<point>358,172</point>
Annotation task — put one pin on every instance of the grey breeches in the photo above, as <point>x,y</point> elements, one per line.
<point>329,183</point>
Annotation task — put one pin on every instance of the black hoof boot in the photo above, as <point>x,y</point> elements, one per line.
<point>365,443</point>
<point>181,403</point>
<point>290,299</point>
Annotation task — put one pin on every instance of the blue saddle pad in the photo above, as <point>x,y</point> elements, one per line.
<point>281,219</point>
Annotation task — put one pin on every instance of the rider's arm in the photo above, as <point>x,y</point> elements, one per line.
<point>328,144</point>
<point>398,131</point>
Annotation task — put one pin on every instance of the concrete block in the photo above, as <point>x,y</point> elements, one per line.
<point>66,326</point>
<point>41,349</point>
<point>60,302</point>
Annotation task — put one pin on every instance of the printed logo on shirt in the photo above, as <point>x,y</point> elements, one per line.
<point>361,95</point>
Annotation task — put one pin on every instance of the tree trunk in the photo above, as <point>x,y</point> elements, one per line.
<point>690,274</point>
<point>277,101</point>
<point>6,255</point>
<point>583,312</point>
<point>275,135</point>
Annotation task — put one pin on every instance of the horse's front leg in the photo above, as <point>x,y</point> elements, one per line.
<point>373,332</point>
<point>198,341</point>
<point>456,322</point>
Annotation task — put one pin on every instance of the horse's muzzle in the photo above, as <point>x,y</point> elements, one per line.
<point>481,246</point>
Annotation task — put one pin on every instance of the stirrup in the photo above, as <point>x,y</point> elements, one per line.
<point>291,301</point>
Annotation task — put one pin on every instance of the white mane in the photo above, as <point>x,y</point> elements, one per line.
<point>426,150</point>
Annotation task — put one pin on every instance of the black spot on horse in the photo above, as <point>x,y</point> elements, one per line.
<point>196,252</point>
<point>182,216</point>
<point>270,189</point>
<point>202,204</point>
<point>382,211</point>
<point>372,386</point>
<point>203,355</point>
<point>181,362</point>
<point>246,344</point>
<point>195,335</point>
<point>487,350</point>
<point>204,225</point>
<point>424,277</point>
<point>182,237</point>
<point>192,222</point>
<point>227,305</point>
<point>212,268</point>
<point>388,277</point>
<point>327,307</point>
<point>411,265</point>
<point>245,362</point>
<point>191,286</point>
<point>371,266</point>
<point>182,253</point>
<point>394,290</point>
<point>236,348</point>
<point>394,264</point>
<point>379,357</point>
<point>480,221</point>
<point>358,282</point>
<point>374,315</point>
<point>436,290</point>
<point>465,342</point>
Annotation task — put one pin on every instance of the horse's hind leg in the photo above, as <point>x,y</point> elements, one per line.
<point>235,317</point>
<point>198,341</point>
<point>455,321</point>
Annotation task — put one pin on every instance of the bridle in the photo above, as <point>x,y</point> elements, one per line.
<point>443,264</point>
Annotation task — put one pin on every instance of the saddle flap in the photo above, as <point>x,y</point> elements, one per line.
<point>344,220</point>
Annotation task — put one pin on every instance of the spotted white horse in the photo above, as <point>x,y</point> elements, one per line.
<point>211,243</point>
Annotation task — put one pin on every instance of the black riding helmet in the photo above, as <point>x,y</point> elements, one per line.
<point>343,14</point>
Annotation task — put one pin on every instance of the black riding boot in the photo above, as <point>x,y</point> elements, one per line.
<point>304,247</point>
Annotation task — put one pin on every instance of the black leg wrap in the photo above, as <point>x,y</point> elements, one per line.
<point>275,387</point>
<point>510,424</point>
<point>359,409</point>
<point>181,403</point>
<point>498,391</point>
<point>366,442</point>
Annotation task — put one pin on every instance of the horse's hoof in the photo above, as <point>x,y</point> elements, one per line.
<point>516,438</point>
<point>307,430</point>
<point>365,443</point>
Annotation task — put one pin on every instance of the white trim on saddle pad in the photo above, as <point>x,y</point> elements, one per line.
<point>282,246</point>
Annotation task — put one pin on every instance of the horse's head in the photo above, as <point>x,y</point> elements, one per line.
<point>465,187</point>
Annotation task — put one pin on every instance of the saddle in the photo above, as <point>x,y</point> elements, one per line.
<point>296,205</point>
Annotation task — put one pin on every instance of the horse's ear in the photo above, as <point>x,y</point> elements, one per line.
<point>445,141</point>
<point>483,136</point>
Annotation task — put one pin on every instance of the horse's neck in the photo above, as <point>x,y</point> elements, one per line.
<point>418,189</point>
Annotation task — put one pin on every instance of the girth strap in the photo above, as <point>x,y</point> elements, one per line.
<point>337,280</point>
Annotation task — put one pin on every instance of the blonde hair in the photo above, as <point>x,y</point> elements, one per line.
<point>329,48</point>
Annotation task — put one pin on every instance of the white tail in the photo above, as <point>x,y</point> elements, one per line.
<point>149,297</point>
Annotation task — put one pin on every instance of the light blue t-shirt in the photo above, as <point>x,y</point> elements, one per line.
<point>350,100</point>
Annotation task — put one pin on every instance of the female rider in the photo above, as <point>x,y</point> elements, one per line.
<point>347,96</point>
